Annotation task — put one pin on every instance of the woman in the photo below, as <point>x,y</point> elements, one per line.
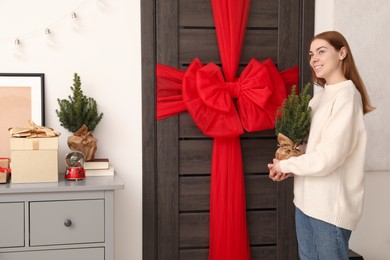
<point>329,177</point>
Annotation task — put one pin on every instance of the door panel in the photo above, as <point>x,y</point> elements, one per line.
<point>194,228</point>
<point>197,13</point>
<point>195,193</point>
<point>202,43</point>
<point>195,155</point>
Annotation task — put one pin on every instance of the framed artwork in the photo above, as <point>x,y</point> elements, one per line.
<point>21,99</point>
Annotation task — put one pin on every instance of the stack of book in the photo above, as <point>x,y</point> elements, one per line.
<point>98,167</point>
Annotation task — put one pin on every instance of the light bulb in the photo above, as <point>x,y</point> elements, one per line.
<point>75,22</point>
<point>49,37</point>
<point>101,3</point>
<point>17,51</point>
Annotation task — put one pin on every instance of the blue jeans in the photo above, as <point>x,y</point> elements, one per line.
<point>318,240</point>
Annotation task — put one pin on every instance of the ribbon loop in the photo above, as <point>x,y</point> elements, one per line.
<point>207,100</point>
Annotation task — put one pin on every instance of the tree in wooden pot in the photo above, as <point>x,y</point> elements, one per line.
<point>79,115</point>
<point>293,123</point>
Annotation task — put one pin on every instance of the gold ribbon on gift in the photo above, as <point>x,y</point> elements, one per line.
<point>31,130</point>
<point>287,148</point>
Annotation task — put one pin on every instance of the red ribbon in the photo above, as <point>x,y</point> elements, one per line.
<point>258,92</point>
<point>223,110</point>
<point>222,107</point>
<point>3,169</point>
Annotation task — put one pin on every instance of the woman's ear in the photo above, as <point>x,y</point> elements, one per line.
<point>342,53</point>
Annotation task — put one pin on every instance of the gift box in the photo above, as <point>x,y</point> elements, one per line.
<point>34,160</point>
<point>34,154</point>
<point>4,170</point>
<point>4,174</point>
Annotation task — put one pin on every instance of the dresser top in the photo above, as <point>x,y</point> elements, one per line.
<point>87,184</point>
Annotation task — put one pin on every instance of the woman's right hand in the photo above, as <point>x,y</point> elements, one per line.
<point>276,175</point>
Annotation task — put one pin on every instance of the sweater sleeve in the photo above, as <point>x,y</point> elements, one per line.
<point>337,140</point>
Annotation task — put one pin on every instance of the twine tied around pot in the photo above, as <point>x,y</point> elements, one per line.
<point>287,148</point>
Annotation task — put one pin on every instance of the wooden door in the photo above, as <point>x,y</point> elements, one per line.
<point>177,156</point>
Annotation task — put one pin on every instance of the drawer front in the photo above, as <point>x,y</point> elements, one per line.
<point>73,254</point>
<point>66,222</point>
<point>11,224</point>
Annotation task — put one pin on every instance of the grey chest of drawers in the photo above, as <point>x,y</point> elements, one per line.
<point>58,221</point>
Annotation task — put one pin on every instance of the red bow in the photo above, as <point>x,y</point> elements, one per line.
<point>209,99</point>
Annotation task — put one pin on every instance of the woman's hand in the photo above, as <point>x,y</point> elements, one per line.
<point>275,172</point>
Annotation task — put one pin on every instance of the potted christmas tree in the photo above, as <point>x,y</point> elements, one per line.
<point>79,115</point>
<point>293,123</point>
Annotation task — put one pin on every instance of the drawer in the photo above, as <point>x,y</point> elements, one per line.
<point>11,224</point>
<point>74,254</point>
<point>66,222</point>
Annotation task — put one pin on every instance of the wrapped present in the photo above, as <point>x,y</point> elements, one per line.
<point>4,170</point>
<point>34,154</point>
<point>4,162</point>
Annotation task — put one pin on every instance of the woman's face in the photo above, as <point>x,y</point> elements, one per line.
<point>326,61</point>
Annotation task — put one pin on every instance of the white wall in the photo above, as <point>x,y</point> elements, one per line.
<point>365,25</point>
<point>105,52</point>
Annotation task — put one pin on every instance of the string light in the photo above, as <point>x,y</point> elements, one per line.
<point>17,51</point>
<point>75,22</point>
<point>49,37</point>
<point>101,3</point>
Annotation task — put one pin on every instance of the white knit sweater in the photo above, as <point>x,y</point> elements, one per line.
<point>329,177</point>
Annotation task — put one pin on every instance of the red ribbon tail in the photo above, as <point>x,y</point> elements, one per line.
<point>229,238</point>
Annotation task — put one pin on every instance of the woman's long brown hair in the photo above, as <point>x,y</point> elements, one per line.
<point>337,40</point>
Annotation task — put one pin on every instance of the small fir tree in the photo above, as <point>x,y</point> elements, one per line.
<point>294,116</point>
<point>78,110</point>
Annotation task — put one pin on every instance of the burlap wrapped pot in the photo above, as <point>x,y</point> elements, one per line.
<point>287,148</point>
<point>83,141</point>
